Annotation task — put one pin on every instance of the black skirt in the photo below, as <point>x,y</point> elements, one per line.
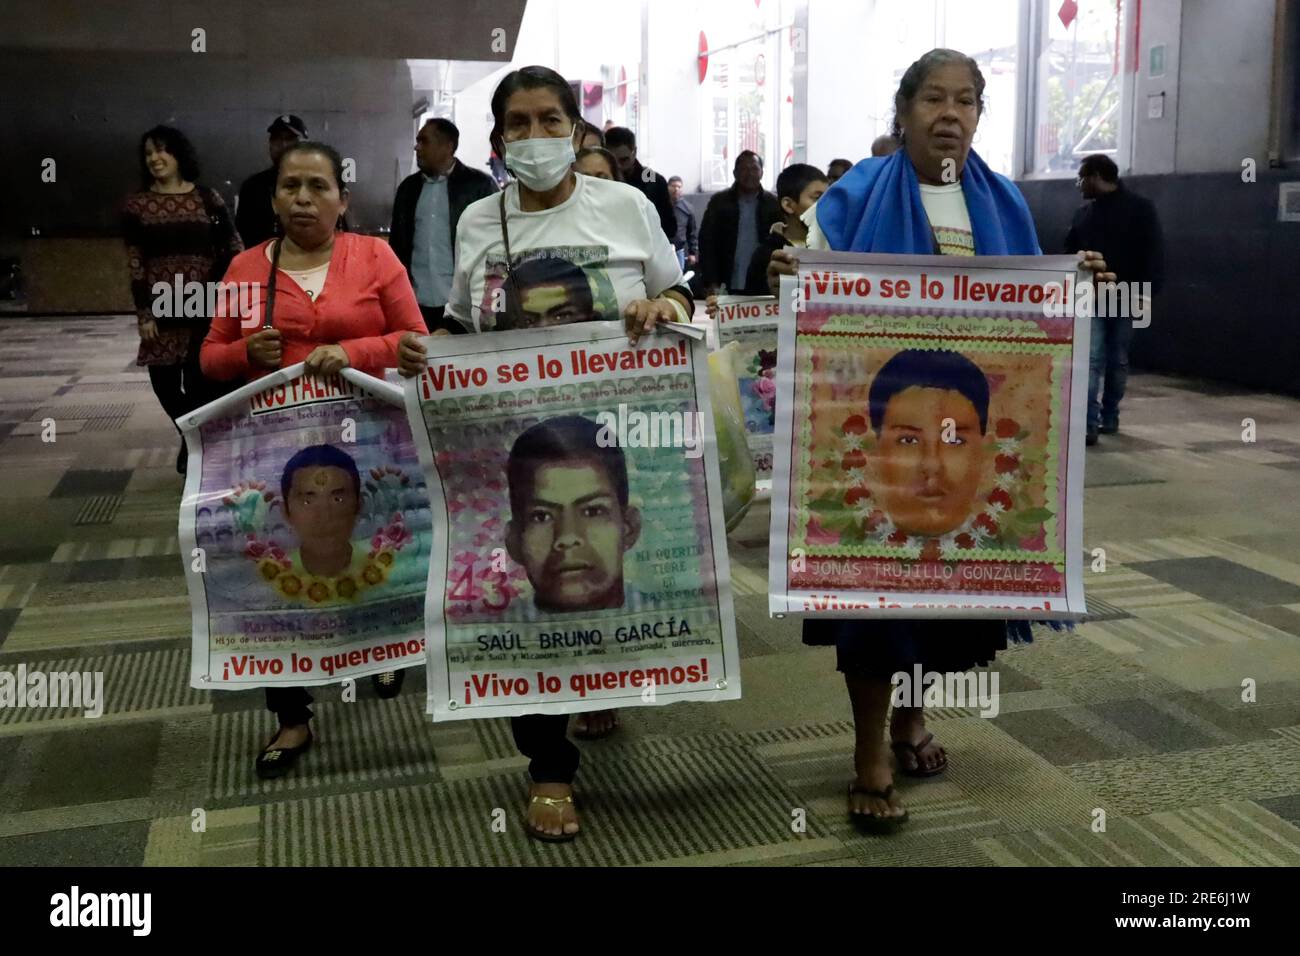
<point>882,648</point>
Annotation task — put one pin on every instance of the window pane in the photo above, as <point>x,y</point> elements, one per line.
<point>744,94</point>
<point>904,30</point>
<point>1078,83</point>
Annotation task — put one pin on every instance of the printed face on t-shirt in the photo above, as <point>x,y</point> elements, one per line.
<point>558,304</point>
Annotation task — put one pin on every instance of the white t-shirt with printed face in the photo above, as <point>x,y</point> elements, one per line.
<point>945,207</point>
<point>586,259</point>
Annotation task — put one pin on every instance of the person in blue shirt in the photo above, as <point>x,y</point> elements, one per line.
<point>426,209</point>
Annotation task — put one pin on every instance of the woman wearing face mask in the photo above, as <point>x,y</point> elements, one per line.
<point>552,211</point>
<point>341,301</point>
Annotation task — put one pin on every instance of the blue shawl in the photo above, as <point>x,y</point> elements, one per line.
<point>876,207</point>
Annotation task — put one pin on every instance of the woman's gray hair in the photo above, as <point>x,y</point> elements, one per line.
<point>918,72</point>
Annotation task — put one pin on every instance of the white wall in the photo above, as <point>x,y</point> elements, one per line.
<point>1224,81</point>
<point>576,38</point>
<point>671,140</point>
<point>839,120</point>
<point>472,112</point>
<point>1155,140</point>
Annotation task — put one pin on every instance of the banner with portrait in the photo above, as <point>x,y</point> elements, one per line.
<point>751,322</point>
<point>931,417</point>
<point>305,531</point>
<point>582,561</point>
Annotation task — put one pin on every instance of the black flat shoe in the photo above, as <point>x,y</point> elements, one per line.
<point>1110,429</point>
<point>273,763</point>
<point>388,684</point>
<point>1092,438</point>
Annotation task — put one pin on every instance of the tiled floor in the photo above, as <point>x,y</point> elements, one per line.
<point>1140,714</point>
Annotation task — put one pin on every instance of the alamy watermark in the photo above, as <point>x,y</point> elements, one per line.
<point>57,689</point>
<point>978,691</point>
<point>633,428</point>
<point>180,299</point>
<point>1112,300</point>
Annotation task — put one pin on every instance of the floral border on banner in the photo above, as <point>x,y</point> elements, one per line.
<point>1007,516</point>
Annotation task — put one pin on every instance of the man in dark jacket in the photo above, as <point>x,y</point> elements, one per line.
<point>1124,227</point>
<point>254,218</point>
<point>426,209</point>
<point>736,222</point>
<point>686,240</point>
<point>621,141</point>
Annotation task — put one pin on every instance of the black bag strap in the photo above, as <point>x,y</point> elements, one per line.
<point>220,232</point>
<point>513,318</point>
<point>270,284</point>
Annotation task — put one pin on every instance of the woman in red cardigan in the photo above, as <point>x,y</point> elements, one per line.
<point>341,300</point>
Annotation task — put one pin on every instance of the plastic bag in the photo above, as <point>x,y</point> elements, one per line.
<point>735,463</point>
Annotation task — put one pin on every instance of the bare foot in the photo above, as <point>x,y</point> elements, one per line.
<point>595,724</point>
<point>551,811</point>
<point>874,773</point>
<point>907,726</point>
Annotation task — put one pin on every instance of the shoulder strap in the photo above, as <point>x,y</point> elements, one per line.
<point>270,284</point>
<point>513,319</point>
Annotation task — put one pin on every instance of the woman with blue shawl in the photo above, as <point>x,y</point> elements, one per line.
<point>934,196</point>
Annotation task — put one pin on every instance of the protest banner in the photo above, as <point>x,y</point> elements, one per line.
<point>928,459</point>
<point>751,322</point>
<point>305,532</point>
<point>582,561</point>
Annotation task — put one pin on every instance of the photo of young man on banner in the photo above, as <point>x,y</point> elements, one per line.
<point>930,455</point>
<point>306,525</point>
<point>751,323</point>
<point>584,563</point>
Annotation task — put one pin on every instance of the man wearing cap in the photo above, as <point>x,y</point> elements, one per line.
<point>426,209</point>
<point>254,217</point>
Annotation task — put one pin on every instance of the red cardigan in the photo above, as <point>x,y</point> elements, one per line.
<point>365,306</point>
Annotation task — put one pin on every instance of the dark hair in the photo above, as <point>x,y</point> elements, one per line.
<point>178,145</point>
<point>620,136</point>
<point>589,129</point>
<point>531,78</point>
<point>916,75</point>
<point>604,154</point>
<point>318,456</point>
<point>794,179</point>
<point>561,439</point>
<point>336,161</point>
<point>1102,165</point>
<point>446,128</point>
<point>847,164</point>
<point>311,146</point>
<point>747,152</point>
<point>674,179</point>
<point>924,368</point>
<point>549,270</point>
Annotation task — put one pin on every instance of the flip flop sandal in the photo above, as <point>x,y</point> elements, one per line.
<point>869,822</point>
<point>915,750</point>
<point>543,835</point>
<point>582,734</point>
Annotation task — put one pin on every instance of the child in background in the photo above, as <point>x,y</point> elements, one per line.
<point>798,187</point>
